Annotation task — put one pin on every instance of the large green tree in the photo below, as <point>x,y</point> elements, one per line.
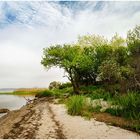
<point>96,60</point>
<point>63,57</point>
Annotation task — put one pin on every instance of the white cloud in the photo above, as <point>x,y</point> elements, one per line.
<point>40,24</point>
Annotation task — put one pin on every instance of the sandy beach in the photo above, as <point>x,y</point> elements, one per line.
<point>43,119</point>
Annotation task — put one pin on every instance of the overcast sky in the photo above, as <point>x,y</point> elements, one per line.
<point>28,27</point>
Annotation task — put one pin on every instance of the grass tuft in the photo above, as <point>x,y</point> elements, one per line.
<point>79,105</point>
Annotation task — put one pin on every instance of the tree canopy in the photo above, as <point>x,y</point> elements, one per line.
<point>95,60</point>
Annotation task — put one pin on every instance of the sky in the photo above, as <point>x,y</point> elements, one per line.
<point>28,27</point>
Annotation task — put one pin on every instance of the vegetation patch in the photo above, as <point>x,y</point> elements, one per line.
<point>45,93</point>
<point>28,91</point>
<point>128,106</point>
<point>79,105</point>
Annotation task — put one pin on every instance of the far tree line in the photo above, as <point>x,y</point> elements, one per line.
<point>95,60</point>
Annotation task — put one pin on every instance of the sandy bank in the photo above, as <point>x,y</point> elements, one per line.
<point>80,128</point>
<point>43,119</point>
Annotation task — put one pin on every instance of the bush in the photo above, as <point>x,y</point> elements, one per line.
<point>78,105</point>
<point>45,93</point>
<point>54,85</point>
<point>96,92</point>
<point>89,89</point>
<point>65,85</point>
<point>63,92</point>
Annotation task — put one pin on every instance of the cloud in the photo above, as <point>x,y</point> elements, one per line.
<point>27,27</point>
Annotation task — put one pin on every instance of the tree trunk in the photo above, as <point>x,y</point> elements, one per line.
<point>75,88</point>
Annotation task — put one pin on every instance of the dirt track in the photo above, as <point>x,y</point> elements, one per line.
<point>43,119</point>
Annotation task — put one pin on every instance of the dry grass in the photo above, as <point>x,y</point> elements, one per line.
<point>116,121</point>
<point>28,91</point>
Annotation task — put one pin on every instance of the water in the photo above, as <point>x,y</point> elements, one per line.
<point>13,102</point>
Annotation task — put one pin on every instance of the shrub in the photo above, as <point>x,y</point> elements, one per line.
<point>95,92</point>
<point>45,93</point>
<point>63,92</point>
<point>54,85</point>
<point>89,89</point>
<point>65,85</point>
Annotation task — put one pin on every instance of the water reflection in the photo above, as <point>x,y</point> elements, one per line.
<point>13,102</point>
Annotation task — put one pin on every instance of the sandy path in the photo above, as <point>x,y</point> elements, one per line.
<point>45,120</point>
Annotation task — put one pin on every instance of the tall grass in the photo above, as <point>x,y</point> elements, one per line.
<point>128,106</point>
<point>28,91</point>
<point>79,105</point>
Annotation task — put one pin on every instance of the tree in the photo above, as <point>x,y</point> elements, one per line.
<point>95,60</point>
<point>63,57</point>
<point>78,60</point>
<point>117,41</point>
<point>133,42</point>
<point>96,49</point>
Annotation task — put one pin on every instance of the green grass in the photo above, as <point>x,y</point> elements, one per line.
<point>45,93</point>
<point>78,105</point>
<point>63,92</point>
<point>128,106</point>
<point>96,92</point>
<point>56,93</point>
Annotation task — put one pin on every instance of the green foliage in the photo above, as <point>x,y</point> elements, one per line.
<point>92,41</point>
<point>100,93</point>
<point>89,89</point>
<point>96,92</point>
<point>128,106</point>
<point>133,40</point>
<point>45,93</point>
<point>94,59</point>
<point>78,105</point>
<point>109,71</point>
<point>65,85</point>
<point>117,41</point>
<point>54,85</point>
<point>63,92</point>
<point>97,108</point>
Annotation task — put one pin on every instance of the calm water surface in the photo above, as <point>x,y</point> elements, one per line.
<point>13,102</point>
